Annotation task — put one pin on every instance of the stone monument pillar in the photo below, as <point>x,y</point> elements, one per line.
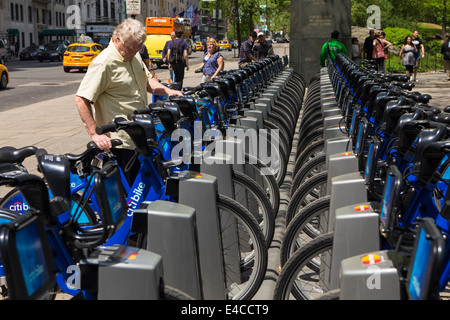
<point>312,22</point>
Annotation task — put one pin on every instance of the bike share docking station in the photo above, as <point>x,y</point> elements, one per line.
<point>196,243</point>
<point>199,243</point>
<point>355,227</point>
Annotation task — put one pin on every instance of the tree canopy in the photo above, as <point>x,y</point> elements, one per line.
<point>394,13</point>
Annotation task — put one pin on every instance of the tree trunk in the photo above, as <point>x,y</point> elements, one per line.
<point>444,19</point>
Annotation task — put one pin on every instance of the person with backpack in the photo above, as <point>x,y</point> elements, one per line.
<point>177,53</point>
<point>332,48</point>
<point>445,51</point>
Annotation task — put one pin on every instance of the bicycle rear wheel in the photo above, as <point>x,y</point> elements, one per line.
<point>248,193</point>
<point>302,276</point>
<point>261,174</point>
<point>311,190</point>
<point>304,227</point>
<point>251,246</point>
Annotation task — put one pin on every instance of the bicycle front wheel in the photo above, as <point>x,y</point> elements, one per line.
<point>241,235</point>
<point>248,193</point>
<point>303,276</point>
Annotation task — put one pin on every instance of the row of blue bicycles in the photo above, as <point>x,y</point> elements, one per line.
<point>195,223</point>
<point>368,216</point>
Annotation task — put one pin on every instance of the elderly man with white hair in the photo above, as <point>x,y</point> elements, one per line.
<point>116,83</point>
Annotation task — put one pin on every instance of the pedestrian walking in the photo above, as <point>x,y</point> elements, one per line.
<point>164,56</point>
<point>368,45</point>
<point>379,46</point>
<point>419,54</point>
<point>212,62</point>
<point>177,54</point>
<point>386,45</point>
<point>12,51</point>
<point>332,48</point>
<point>115,85</point>
<point>409,60</point>
<point>445,50</point>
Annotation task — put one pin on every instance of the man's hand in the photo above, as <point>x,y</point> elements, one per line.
<point>177,93</point>
<point>102,141</point>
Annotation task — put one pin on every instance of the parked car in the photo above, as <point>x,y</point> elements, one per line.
<point>80,55</point>
<point>30,53</point>
<point>4,76</point>
<point>224,44</point>
<point>104,42</point>
<point>52,52</point>
<point>199,46</point>
<point>3,51</point>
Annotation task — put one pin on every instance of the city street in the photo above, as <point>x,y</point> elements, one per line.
<point>34,81</point>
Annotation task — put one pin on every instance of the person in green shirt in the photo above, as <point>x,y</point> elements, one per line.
<point>332,47</point>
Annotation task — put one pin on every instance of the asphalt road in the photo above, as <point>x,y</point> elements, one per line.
<point>34,81</point>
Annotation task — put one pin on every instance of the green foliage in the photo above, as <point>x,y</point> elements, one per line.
<point>397,35</point>
<point>432,46</point>
<point>400,13</point>
<point>388,11</point>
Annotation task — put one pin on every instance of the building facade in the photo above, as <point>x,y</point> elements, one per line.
<point>41,21</point>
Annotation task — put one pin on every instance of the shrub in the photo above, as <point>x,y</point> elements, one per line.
<point>397,35</point>
<point>432,46</point>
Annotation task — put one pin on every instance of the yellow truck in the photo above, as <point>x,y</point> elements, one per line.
<point>155,45</point>
<point>158,33</point>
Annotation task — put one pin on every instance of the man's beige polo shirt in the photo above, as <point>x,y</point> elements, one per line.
<point>116,87</point>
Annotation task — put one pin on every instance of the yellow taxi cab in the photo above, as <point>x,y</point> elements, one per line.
<point>79,55</point>
<point>224,44</point>
<point>199,46</point>
<point>4,76</point>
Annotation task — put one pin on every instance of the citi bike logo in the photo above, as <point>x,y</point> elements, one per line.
<point>19,207</point>
<point>262,145</point>
<point>136,195</point>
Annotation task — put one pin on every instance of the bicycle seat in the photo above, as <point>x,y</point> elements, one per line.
<point>224,84</point>
<point>173,85</point>
<point>13,155</point>
<point>191,90</point>
<point>424,98</point>
<point>213,89</point>
<point>441,117</point>
<point>169,115</point>
<point>407,85</point>
<point>187,105</point>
